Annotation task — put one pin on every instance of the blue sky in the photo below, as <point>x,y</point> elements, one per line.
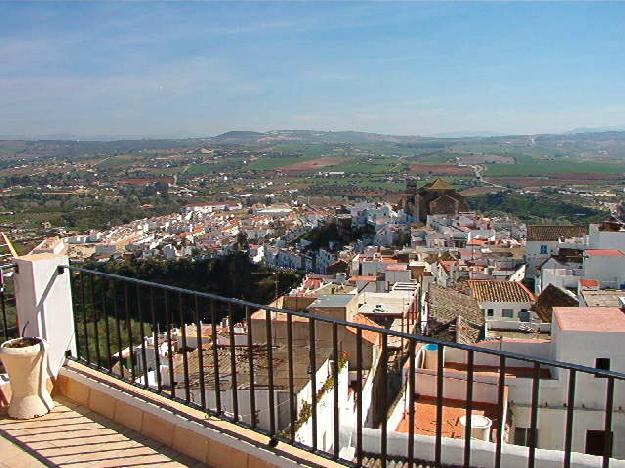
<point>198,69</point>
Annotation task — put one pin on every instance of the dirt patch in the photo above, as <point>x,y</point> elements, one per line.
<point>23,343</point>
<point>473,191</point>
<point>311,164</point>
<point>440,169</point>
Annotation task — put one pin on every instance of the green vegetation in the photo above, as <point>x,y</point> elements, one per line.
<point>535,209</point>
<point>537,168</point>
<point>107,300</point>
<point>232,276</point>
<point>274,161</point>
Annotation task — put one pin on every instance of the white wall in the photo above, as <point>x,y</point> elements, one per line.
<point>534,257</point>
<point>44,305</point>
<point>535,348</point>
<point>604,239</point>
<point>610,270</point>
<point>482,452</point>
<point>499,306</point>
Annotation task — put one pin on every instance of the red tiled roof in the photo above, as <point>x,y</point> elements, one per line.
<point>367,335</point>
<point>604,253</point>
<point>397,267</point>
<point>590,319</point>
<point>547,232</point>
<point>447,264</point>
<point>477,242</point>
<point>500,291</point>
<point>589,283</point>
<point>363,278</point>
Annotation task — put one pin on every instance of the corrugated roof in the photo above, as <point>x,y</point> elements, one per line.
<point>551,232</point>
<point>500,291</point>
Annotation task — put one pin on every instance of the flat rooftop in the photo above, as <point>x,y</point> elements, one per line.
<point>397,298</point>
<point>280,362</point>
<point>604,253</point>
<point>453,410</point>
<point>332,301</point>
<point>603,297</point>
<point>590,319</point>
<point>519,335</point>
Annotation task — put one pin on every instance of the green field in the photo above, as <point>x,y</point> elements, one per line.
<point>267,162</point>
<point>121,161</point>
<point>537,168</point>
<point>376,165</point>
<point>220,165</point>
<point>309,150</point>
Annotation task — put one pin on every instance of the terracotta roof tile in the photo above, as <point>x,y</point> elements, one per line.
<point>550,232</point>
<point>604,253</point>
<point>500,291</point>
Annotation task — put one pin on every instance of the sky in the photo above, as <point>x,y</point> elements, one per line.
<point>141,69</point>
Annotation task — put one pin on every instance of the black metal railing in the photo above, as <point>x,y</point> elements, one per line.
<point>186,345</point>
<point>8,316</point>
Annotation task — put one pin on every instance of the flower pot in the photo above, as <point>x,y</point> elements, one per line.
<point>25,361</point>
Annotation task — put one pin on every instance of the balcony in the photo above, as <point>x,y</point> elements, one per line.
<point>73,435</point>
<point>194,378</point>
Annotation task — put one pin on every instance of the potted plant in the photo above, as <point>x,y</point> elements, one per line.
<point>25,361</point>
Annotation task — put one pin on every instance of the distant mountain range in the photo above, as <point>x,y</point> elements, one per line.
<point>248,138</point>
<point>581,142</point>
<point>597,129</point>
<point>312,137</point>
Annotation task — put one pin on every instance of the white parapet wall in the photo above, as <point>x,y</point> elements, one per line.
<point>482,452</point>
<point>43,299</point>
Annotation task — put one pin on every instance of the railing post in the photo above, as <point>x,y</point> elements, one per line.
<point>43,298</point>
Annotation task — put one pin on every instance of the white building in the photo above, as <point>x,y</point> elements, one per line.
<point>502,301</point>
<point>605,265</point>
<point>544,241</point>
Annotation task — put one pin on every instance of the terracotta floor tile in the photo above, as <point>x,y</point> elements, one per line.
<point>74,436</point>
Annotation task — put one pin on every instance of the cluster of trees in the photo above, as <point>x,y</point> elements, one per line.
<point>84,212</point>
<point>535,209</point>
<point>321,236</point>
<point>100,303</point>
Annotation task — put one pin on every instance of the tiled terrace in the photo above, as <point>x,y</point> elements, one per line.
<point>101,421</point>
<point>453,410</point>
<point>74,436</point>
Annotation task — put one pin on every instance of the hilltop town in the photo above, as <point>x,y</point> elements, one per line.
<point>424,265</point>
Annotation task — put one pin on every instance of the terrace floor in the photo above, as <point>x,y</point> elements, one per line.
<point>453,410</point>
<point>74,436</point>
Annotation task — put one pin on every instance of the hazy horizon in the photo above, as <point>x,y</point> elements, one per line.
<point>178,70</point>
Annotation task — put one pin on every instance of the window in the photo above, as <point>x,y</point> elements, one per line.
<point>543,250</point>
<point>522,435</point>
<point>603,364</point>
<point>508,313</point>
<point>596,442</point>
<point>490,312</point>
